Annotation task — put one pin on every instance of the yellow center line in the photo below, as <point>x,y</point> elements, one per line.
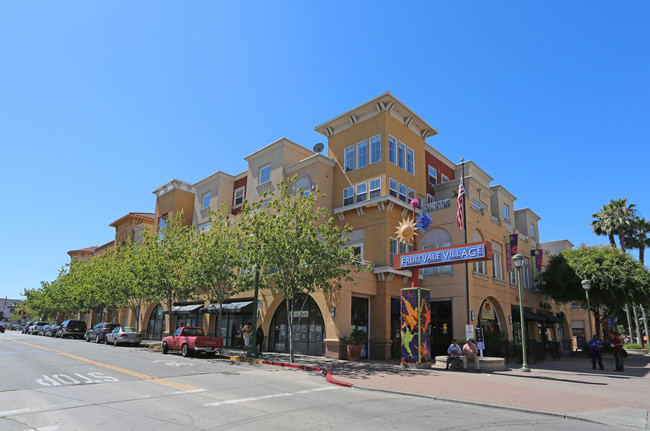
<point>112,367</point>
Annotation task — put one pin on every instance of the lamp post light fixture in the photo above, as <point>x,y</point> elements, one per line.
<point>518,259</point>
<point>586,285</point>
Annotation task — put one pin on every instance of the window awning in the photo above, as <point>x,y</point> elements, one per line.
<point>551,318</point>
<point>185,309</point>
<point>230,307</point>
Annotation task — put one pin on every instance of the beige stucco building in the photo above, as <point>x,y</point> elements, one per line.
<point>378,159</point>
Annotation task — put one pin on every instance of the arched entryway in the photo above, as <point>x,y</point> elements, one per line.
<point>156,324</point>
<point>488,321</point>
<point>308,328</point>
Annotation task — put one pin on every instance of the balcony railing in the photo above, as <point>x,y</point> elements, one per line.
<point>438,205</point>
<point>476,207</point>
<point>495,220</point>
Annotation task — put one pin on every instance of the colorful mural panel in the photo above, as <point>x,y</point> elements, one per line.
<point>416,328</point>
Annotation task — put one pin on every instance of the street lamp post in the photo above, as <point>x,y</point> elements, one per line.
<point>586,285</point>
<point>518,259</point>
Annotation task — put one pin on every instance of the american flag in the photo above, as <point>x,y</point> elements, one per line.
<point>459,213</point>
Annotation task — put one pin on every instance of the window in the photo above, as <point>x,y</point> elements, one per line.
<point>375,188</point>
<point>392,249</point>
<point>506,212</point>
<point>265,174</point>
<point>401,155</point>
<point>532,231</point>
<point>348,196</point>
<point>239,196</point>
<point>402,192</point>
<point>357,250</point>
<point>430,199</point>
<point>392,150</point>
<point>479,267</point>
<point>497,270</point>
<point>443,269</point>
<point>392,187</point>
<point>206,200</point>
<point>512,276</point>
<point>411,194</point>
<point>410,161</point>
<point>525,271</point>
<point>405,248</point>
<point>348,161</point>
<point>375,149</point>
<point>162,225</point>
<point>362,192</point>
<point>444,178</point>
<point>433,175</point>
<point>362,154</point>
<point>204,226</point>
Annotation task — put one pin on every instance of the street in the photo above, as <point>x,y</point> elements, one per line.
<point>65,384</point>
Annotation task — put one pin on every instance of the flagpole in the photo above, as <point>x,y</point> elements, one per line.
<point>465,232</point>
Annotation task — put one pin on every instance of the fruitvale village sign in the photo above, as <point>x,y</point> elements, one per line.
<point>445,256</point>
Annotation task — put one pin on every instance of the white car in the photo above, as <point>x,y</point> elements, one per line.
<point>124,335</point>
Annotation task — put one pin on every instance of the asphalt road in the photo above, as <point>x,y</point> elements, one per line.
<point>53,384</point>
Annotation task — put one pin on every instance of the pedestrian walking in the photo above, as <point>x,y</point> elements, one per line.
<point>617,350</point>
<point>246,335</point>
<point>260,338</point>
<point>595,349</point>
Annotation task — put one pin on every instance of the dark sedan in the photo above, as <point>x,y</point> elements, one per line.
<point>98,332</point>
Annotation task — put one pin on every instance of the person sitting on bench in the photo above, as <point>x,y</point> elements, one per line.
<point>454,353</point>
<point>470,353</point>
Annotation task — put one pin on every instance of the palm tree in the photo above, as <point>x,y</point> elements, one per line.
<point>637,236</point>
<point>614,219</point>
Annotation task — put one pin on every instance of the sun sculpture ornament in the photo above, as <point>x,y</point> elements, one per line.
<point>406,231</point>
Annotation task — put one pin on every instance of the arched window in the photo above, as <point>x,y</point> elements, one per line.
<point>156,324</point>
<point>435,238</point>
<point>478,267</point>
<point>303,182</point>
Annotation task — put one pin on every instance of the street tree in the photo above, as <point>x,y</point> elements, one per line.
<point>613,219</point>
<point>167,253</point>
<point>135,275</point>
<point>296,246</point>
<point>616,279</point>
<point>216,257</point>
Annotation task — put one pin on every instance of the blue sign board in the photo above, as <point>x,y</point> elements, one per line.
<point>445,256</point>
<point>610,323</point>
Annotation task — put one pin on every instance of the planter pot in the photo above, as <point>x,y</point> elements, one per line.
<point>354,352</point>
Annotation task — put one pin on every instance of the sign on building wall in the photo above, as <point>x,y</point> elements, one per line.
<point>473,252</point>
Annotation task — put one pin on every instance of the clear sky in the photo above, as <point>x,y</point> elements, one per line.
<point>103,102</point>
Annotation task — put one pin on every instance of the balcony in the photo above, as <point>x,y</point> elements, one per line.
<point>438,205</point>
<point>476,207</point>
<point>495,220</point>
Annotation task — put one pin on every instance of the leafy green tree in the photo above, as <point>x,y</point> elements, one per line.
<point>135,275</point>
<point>168,253</point>
<point>616,279</point>
<point>297,244</point>
<point>216,257</point>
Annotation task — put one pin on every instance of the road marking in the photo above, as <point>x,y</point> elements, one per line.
<point>266,397</point>
<point>114,368</point>
<point>173,363</point>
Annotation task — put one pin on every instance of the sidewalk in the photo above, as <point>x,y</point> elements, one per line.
<point>568,387</point>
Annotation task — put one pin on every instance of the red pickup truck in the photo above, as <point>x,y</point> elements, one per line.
<point>189,340</point>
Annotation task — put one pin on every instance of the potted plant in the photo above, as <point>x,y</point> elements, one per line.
<point>354,343</point>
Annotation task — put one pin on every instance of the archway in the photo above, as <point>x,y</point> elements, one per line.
<point>488,321</point>
<point>156,324</point>
<point>308,328</point>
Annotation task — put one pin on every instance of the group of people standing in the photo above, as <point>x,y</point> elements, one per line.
<point>596,347</point>
<point>246,335</point>
<point>469,352</point>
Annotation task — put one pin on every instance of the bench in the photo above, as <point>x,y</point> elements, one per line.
<point>485,364</point>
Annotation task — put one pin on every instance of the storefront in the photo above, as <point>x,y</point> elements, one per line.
<point>442,328</point>
<point>187,315</point>
<point>156,324</point>
<point>234,315</point>
<point>361,318</point>
<point>489,324</point>
<point>308,328</point>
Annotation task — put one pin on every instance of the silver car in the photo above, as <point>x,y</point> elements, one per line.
<point>124,335</point>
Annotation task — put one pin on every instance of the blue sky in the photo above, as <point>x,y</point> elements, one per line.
<point>102,103</point>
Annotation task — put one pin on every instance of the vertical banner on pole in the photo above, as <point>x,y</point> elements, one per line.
<point>416,328</point>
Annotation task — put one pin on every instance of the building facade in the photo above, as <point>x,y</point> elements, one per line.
<point>378,160</point>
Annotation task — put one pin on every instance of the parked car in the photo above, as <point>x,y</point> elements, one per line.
<point>189,340</point>
<point>40,329</point>
<point>26,326</point>
<point>124,335</point>
<point>2,327</point>
<point>99,331</point>
<point>37,326</point>
<point>72,328</point>
<point>50,330</point>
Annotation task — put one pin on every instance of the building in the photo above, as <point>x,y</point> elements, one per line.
<point>378,160</point>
